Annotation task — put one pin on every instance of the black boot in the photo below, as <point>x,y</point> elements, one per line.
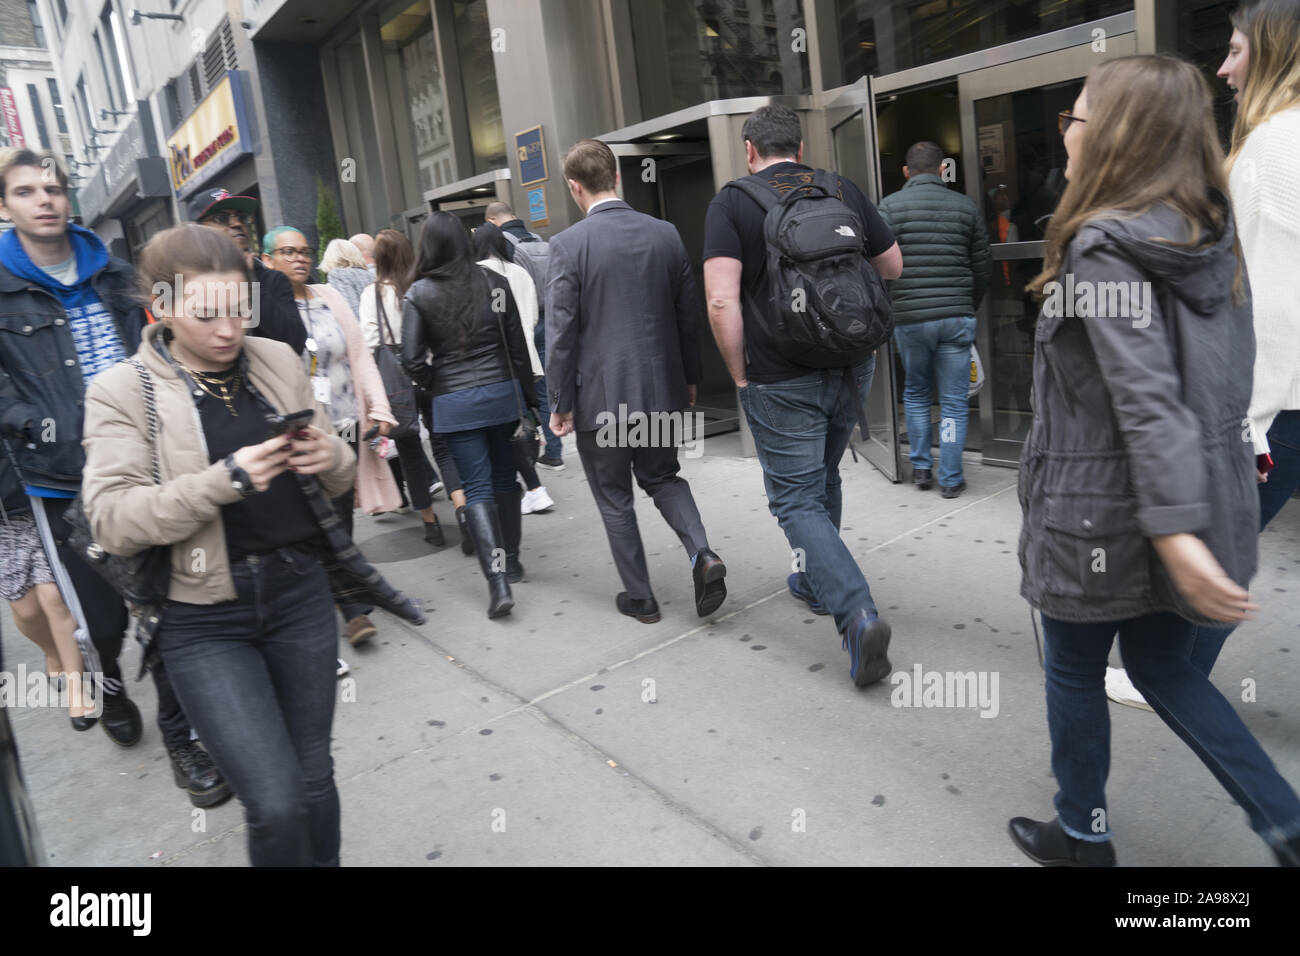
<point>512,532</point>
<point>466,539</point>
<point>433,533</point>
<point>1049,845</point>
<point>485,529</point>
<point>194,771</point>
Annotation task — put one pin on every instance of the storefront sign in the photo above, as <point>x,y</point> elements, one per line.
<point>12,122</point>
<point>531,153</point>
<point>537,207</point>
<point>214,136</point>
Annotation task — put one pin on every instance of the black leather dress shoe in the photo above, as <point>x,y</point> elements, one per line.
<point>923,478</point>
<point>646,610</point>
<point>80,724</point>
<point>1048,844</point>
<point>121,720</point>
<point>194,772</point>
<point>710,588</point>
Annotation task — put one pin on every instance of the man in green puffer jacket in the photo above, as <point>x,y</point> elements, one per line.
<point>946,273</point>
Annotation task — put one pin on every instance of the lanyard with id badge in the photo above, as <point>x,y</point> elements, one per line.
<point>320,384</point>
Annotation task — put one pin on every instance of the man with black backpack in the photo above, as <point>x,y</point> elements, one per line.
<point>794,260</point>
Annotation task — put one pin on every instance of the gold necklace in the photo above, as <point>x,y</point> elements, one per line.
<point>228,389</point>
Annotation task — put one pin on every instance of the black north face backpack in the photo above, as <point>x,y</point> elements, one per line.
<point>828,305</point>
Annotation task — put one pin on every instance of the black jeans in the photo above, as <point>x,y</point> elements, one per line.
<point>411,468</point>
<point>107,620</point>
<point>343,508</point>
<point>256,676</point>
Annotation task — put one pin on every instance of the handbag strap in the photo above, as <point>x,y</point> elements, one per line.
<point>513,377</point>
<point>383,318</point>
<point>151,412</point>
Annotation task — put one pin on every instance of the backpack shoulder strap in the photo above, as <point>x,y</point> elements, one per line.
<point>758,190</point>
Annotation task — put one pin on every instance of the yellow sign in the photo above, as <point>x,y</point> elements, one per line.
<point>209,139</point>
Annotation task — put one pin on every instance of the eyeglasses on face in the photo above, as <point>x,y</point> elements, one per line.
<point>293,252</point>
<point>225,217</point>
<point>1064,119</point>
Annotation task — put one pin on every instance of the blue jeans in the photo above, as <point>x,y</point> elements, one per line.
<point>485,459</point>
<point>256,678</point>
<point>937,351</point>
<point>554,449</point>
<point>1155,650</point>
<point>1283,480</point>
<point>801,427</point>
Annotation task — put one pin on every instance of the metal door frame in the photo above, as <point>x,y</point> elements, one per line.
<point>837,108</point>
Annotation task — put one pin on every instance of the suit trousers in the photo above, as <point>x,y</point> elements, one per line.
<point>610,471</point>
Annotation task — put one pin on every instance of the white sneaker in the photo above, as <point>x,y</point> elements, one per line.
<point>343,670</point>
<point>536,501</point>
<point>1121,690</point>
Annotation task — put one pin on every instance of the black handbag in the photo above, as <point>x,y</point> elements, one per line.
<point>525,436</point>
<point>397,383</point>
<point>141,579</point>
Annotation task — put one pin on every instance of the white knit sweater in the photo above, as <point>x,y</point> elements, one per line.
<point>1266,203</point>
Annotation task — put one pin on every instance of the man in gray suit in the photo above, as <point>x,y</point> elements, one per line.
<point>622,351</point>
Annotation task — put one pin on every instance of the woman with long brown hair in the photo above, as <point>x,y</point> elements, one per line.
<point>1138,492</point>
<point>381,324</point>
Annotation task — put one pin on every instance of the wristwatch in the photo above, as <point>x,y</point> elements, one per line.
<point>239,479</point>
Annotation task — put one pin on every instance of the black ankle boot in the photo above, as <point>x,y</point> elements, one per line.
<point>512,532</point>
<point>1049,845</point>
<point>433,533</point>
<point>485,529</point>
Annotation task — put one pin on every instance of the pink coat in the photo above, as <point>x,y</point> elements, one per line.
<point>375,486</point>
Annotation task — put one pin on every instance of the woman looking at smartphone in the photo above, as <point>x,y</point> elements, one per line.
<point>247,633</point>
<point>1138,492</point>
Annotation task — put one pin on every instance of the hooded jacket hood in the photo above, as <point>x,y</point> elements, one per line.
<point>1200,276</point>
<point>86,246</point>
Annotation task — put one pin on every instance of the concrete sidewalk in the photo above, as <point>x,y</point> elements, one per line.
<point>568,734</point>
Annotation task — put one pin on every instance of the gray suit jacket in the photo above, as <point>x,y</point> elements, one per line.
<point>622,316</point>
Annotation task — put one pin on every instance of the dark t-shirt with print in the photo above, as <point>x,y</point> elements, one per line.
<point>733,228</point>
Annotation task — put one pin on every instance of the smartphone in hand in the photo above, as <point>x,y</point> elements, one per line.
<point>288,424</point>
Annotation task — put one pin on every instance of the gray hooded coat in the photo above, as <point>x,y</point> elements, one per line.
<point>1142,378</point>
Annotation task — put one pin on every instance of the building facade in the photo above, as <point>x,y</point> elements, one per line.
<point>393,108</point>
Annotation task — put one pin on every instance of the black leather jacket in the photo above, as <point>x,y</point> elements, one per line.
<point>42,393</point>
<point>430,330</point>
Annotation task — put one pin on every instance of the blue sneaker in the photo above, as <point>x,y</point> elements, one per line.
<point>794,582</point>
<point>867,639</point>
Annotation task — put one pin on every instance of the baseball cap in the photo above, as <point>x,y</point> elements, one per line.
<point>214,200</point>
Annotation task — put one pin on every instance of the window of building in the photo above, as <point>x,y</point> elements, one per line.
<point>690,52</point>
<point>62,7</point>
<point>478,75</point>
<point>103,66</point>
<point>363,147</point>
<point>113,57</point>
<point>38,33</point>
<point>171,103</point>
<point>82,103</point>
<point>57,102</point>
<point>417,95</point>
<point>38,111</point>
<point>878,37</point>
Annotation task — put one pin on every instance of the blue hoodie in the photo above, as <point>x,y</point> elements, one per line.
<point>99,346</point>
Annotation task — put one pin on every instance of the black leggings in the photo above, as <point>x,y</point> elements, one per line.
<point>438,445</point>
